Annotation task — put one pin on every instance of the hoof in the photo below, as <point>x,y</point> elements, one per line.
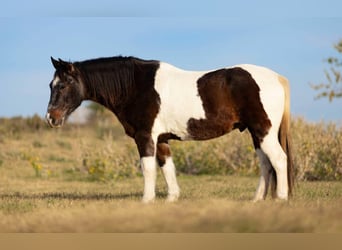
<point>255,200</point>
<point>147,200</point>
<point>172,198</point>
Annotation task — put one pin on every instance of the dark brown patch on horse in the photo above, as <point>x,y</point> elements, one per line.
<point>108,81</point>
<point>230,100</point>
<point>163,148</point>
<point>138,114</point>
<point>124,85</point>
<point>167,136</point>
<point>163,152</point>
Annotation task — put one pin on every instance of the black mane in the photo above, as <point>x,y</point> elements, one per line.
<point>109,80</point>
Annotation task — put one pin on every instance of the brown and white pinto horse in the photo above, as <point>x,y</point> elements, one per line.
<point>156,102</point>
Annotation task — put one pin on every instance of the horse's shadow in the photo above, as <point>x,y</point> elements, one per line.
<point>72,196</point>
<point>136,196</point>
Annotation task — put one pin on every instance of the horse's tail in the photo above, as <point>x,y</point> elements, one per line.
<point>284,138</point>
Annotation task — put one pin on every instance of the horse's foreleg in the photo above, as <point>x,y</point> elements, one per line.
<point>147,151</point>
<point>148,166</point>
<point>168,168</point>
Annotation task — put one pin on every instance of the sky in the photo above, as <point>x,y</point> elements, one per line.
<point>289,37</point>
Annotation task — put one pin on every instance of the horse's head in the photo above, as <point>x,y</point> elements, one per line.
<point>66,92</point>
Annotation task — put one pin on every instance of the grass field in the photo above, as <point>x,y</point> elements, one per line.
<point>86,179</point>
<point>208,204</point>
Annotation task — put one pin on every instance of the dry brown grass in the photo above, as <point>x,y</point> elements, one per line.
<point>208,204</point>
<point>87,179</point>
<point>102,152</point>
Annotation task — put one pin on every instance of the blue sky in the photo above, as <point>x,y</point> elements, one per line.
<point>290,38</point>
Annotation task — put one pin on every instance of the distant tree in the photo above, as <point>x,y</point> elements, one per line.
<point>333,87</point>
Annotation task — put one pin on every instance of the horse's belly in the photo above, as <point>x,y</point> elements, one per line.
<point>175,118</point>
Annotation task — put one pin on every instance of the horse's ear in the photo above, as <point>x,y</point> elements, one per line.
<point>55,63</point>
<point>62,65</point>
<point>67,66</point>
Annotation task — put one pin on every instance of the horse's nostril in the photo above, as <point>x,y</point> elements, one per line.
<point>54,121</point>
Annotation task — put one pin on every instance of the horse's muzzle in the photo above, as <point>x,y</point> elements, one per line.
<point>54,122</point>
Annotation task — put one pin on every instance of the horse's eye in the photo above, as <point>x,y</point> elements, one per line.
<point>70,79</point>
<point>61,86</point>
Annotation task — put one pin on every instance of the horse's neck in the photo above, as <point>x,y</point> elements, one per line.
<point>111,93</point>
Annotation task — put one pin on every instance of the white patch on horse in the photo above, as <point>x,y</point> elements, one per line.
<point>55,81</point>
<point>169,173</point>
<point>48,118</point>
<point>179,100</point>
<point>149,169</point>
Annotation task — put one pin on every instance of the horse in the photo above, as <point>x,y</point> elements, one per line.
<point>156,102</point>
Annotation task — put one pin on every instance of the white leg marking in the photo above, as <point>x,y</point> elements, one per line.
<point>265,167</point>
<point>149,168</point>
<point>275,153</point>
<point>169,172</point>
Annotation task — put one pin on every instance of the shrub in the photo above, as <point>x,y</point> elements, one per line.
<point>111,161</point>
<point>317,153</point>
<point>230,154</point>
<point>317,150</point>
<point>110,154</point>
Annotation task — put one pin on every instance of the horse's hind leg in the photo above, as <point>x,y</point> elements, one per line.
<point>168,168</point>
<point>272,148</point>
<point>265,169</point>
